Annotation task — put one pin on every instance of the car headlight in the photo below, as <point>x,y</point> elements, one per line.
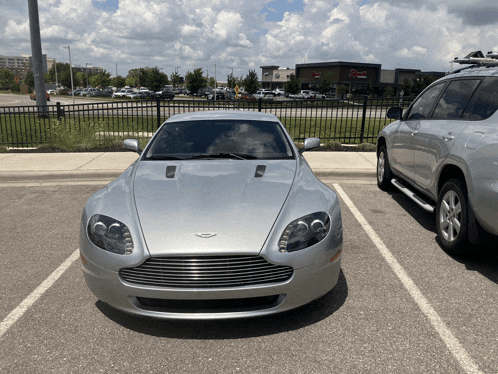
<point>304,232</point>
<point>110,234</point>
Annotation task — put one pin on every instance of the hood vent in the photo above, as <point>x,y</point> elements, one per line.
<point>170,172</point>
<point>260,171</point>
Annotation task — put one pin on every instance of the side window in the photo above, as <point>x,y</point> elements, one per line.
<point>455,99</point>
<point>485,101</point>
<point>422,107</point>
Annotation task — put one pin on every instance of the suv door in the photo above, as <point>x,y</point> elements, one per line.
<point>402,152</point>
<point>435,136</point>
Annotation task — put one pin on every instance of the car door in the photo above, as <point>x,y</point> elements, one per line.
<point>402,152</point>
<point>435,136</point>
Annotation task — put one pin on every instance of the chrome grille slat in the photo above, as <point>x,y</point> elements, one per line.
<point>206,272</point>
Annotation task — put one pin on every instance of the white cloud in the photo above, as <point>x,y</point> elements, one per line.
<point>419,34</point>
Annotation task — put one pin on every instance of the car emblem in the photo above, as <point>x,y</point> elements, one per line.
<point>206,235</point>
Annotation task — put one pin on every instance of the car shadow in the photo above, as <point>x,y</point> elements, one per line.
<point>423,217</point>
<point>481,257</point>
<point>298,318</point>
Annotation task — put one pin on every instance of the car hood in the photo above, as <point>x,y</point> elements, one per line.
<point>210,206</point>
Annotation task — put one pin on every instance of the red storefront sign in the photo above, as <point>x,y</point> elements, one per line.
<point>316,75</point>
<point>357,74</point>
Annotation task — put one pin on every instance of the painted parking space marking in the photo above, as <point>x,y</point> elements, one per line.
<point>446,335</point>
<point>19,311</point>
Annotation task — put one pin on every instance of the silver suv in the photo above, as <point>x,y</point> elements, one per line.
<point>443,152</point>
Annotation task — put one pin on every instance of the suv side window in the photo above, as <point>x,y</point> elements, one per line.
<point>455,98</point>
<point>485,101</point>
<point>422,107</point>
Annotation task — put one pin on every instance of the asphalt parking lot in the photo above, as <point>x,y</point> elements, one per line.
<point>402,305</point>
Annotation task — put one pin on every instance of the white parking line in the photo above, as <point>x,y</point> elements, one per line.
<point>36,294</point>
<point>446,335</point>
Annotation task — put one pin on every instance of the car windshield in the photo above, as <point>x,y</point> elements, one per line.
<point>234,139</point>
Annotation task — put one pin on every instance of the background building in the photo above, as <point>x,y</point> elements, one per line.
<point>275,77</point>
<point>20,65</point>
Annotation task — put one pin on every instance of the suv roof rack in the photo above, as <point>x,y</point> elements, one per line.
<point>478,58</point>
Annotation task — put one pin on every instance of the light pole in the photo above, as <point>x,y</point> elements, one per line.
<point>56,79</point>
<point>71,71</point>
<point>116,69</point>
<point>86,70</point>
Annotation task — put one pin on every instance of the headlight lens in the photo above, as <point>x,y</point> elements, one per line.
<point>304,232</point>
<point>110,234</point>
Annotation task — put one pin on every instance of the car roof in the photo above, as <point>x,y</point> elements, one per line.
<point>224,114</point>
<point>473,70</point>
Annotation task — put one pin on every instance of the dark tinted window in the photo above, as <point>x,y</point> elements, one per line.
<point>260,139</point>
<point>484,102</point>
<point>455,98</point>
<point>422,107</point>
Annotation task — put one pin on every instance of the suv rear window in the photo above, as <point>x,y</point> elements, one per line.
<point>484,102</point>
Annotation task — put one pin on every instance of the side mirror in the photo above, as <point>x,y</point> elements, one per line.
<point>394,112</point>
<point>310,143</point>
<point>132,145</point>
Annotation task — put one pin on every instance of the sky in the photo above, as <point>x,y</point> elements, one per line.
<point>243,35</point>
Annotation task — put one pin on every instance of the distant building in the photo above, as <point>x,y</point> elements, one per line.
<point>20,65</point>
<point>275,77</point>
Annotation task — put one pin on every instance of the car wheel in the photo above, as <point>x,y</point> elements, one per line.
<point>384,173</point>
<point>452,216</point>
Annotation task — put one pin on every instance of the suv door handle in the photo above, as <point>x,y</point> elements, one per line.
<point>449,137</point>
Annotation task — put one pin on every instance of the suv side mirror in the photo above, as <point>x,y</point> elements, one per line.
<point>310,143</point>
<point>132,145</point>
<point>394,112</point>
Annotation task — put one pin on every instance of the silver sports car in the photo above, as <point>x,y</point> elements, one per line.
<point>220,217</point>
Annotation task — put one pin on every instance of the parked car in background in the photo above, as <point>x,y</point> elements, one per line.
<point>107,92</point>
<point>94,92</point>
<point>317,95</point>
<point>166,93</point>
<point>220,217</point>
<point>220,95</point>
<point>278,92</point>
<point>442,152</point>
<point>121,93</point>
<point>262,94</point>
<point>307,94</point>
<point>297,96</point>
<point>32,96</point>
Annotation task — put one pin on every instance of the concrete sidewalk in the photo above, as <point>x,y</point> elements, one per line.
<point>89,165</point>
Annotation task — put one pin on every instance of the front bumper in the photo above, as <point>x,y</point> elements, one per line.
<point>306,284</point>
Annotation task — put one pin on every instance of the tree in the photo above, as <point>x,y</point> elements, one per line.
<point>342,90</point>
<point>326,83</point>
<point>407,87</point>
<point>29,79</point>
<point>6,78</point>
<point>251,82</point>
<point>388,91</point>
<point>175,79</point>
<point>195,80</point>
<point>294,85</point>
<point>100,80</point>
<point>232,81</point>
<point>211,82</point>
<point>118,81</point>
<point>63,75</point>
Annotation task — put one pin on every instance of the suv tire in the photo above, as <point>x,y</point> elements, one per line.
<point>452,216</point>
<point>384,173</point>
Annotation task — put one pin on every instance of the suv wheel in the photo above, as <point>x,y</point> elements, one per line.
<point>452,216</point>
<point>384,173</point>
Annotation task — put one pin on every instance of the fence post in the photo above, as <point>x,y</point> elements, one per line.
<point>363,117</point>
<point>59,111</point>
<point>158,112</point>
<point>260,100</point>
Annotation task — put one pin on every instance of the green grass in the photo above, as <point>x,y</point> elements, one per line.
<point>73,133</point>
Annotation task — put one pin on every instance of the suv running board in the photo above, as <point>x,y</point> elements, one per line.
<point>424,204</point>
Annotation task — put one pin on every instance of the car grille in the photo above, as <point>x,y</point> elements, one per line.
<point>206,272</point>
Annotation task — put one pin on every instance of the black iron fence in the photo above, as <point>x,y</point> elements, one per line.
<point>346,121</point>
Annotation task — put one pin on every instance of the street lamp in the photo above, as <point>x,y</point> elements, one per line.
<point>116,69</point>
<point>86,69</point>
<point>70,71</point>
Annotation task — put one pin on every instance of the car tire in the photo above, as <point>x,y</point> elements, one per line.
<point>384,173</point>
<point>452,216</point>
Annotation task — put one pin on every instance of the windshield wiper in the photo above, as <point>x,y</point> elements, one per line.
<point>238,156</point>
<point>163,157</point>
